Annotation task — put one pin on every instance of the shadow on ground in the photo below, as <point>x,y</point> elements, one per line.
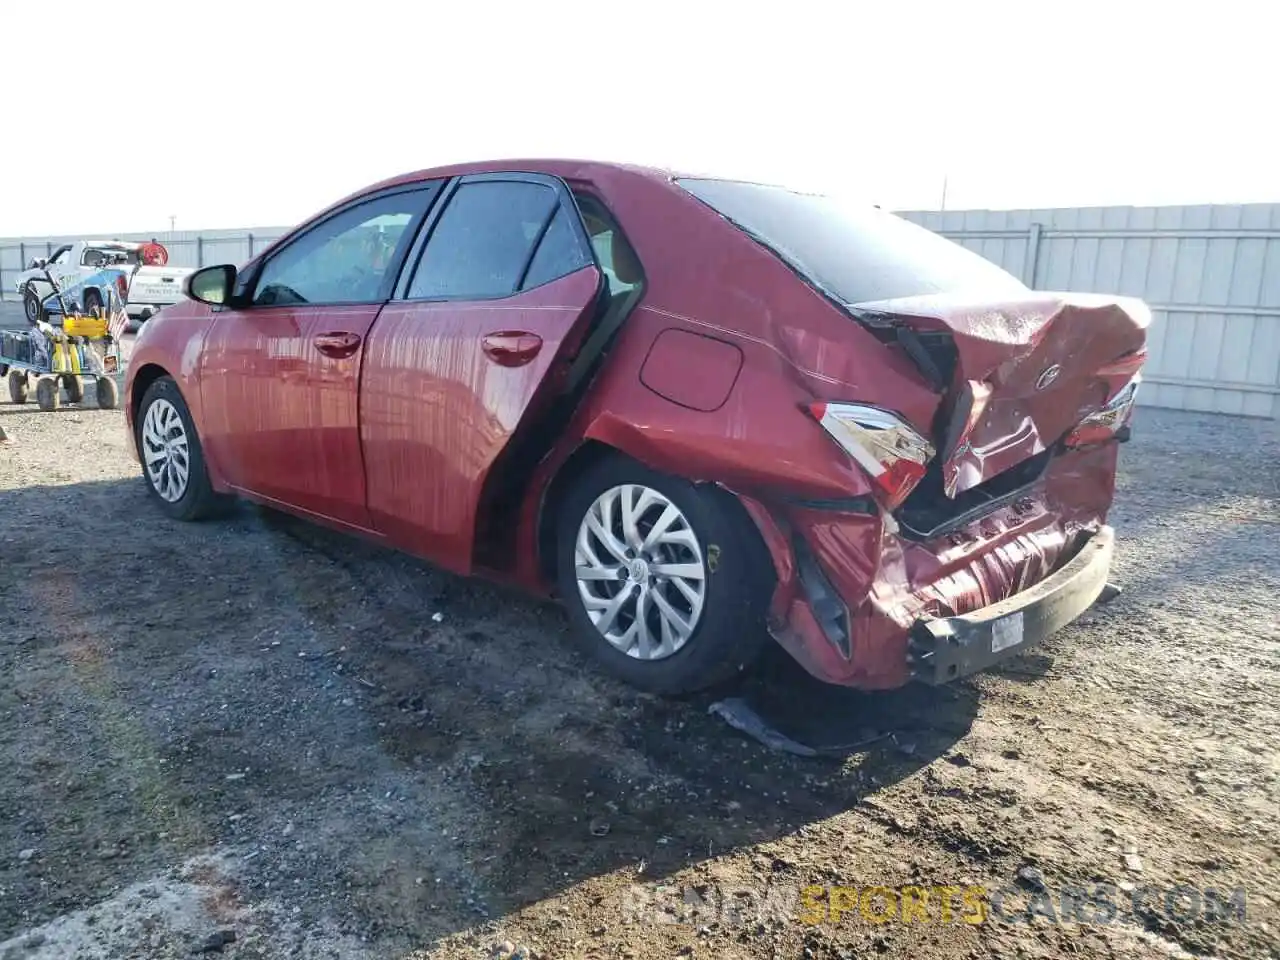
<point>150,664</point>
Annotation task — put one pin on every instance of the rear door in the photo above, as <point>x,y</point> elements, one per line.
<point>280,377</point>
<point>496,298</point>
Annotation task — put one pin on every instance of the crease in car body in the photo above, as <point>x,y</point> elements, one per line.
<point>846,419</point>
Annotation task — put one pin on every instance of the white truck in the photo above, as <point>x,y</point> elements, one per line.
<point>153,287</point>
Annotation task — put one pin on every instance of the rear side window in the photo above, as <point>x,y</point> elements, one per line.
<point>489,235</point>
<point>559,253</point>
<point>853,253</point>
<point>93,256</point>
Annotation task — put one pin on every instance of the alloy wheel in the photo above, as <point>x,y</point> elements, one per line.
<point>640,571</point>
<point>165,450</point>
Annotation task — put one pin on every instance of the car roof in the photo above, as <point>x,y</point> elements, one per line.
<point>567,169</point>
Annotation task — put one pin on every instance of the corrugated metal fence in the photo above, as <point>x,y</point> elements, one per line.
<point>1210,273</point>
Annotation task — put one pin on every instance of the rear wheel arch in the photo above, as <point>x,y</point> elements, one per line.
<point>589,453</point>
<point>592,452</point>
<point>722,628</point>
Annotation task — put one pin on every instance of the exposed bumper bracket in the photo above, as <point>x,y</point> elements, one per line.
<point>947,648</point>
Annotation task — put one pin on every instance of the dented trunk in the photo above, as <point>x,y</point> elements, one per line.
<point>1017,375</point>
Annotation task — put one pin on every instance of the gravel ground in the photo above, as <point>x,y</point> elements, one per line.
<point>258,730</point>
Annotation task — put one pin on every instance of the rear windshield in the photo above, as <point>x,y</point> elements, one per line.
<point>107,256</point>
<point>853,253</point>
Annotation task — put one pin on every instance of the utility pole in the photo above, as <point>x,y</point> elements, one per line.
<point>943,204</point>
<point>173,219</point>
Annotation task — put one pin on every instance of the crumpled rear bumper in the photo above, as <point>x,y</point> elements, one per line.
<point>946,648</point>
<point>861,604</point>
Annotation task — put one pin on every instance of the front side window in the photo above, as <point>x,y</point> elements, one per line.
<point>484,242</point>
<point>346,259</point>
<point>855,253</point>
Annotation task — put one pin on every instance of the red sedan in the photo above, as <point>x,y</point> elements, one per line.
<point>699,411</point>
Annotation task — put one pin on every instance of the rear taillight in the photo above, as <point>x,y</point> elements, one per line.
<point>122,282</point>
<point>1106,423</point>
<point>892,453</point>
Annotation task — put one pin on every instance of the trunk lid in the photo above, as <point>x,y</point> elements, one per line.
<point>1017,374</point>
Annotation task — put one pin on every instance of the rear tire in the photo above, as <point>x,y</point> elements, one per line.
<point>176,477</point>
<point>710,546</point>
<point>19,387</point>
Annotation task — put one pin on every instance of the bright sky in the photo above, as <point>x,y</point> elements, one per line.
<point>224,113</point>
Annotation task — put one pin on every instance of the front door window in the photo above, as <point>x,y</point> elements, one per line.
<point>346,259</point>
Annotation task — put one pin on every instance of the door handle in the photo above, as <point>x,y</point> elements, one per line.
<point>337,345</point>
<point>511,348</point>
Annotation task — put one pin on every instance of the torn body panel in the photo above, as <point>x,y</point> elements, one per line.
<point>889,583</point>
<point>1027,371</point>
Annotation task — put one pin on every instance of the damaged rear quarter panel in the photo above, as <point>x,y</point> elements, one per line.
<point>703,276</point>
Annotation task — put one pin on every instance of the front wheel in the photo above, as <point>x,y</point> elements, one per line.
<point>106,393</point>
<point>169,449</point>
<point>666,582</point>
<point>47,395</point>
<point>19,386</point>
<point>75,389</point>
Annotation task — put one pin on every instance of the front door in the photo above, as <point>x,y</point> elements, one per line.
<point>280,375</point>
<point>500,294</point>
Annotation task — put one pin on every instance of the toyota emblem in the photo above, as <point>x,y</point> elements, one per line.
<point>1048,376</point>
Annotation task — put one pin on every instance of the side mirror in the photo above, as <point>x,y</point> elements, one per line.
<point>212,285</point>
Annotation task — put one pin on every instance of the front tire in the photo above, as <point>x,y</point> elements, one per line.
<point>19,385</point>
<point>47,393</point>
<point>169,449</point>
<point>75,389</point>
<point>666,582</point>
<point>106,393</point>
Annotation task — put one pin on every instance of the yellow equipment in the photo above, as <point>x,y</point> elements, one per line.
<point>93,327</point>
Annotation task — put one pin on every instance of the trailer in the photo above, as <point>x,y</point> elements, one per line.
<point>86,347</point>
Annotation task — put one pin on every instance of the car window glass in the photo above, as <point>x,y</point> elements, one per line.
<point>482,241</point>
<point>613,252</point>
<point>345,259</point>
<point>559,253</point>
<point>94,256</point>
<point>855,253</point>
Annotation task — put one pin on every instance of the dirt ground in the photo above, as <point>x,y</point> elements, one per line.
<point>253,729</point>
